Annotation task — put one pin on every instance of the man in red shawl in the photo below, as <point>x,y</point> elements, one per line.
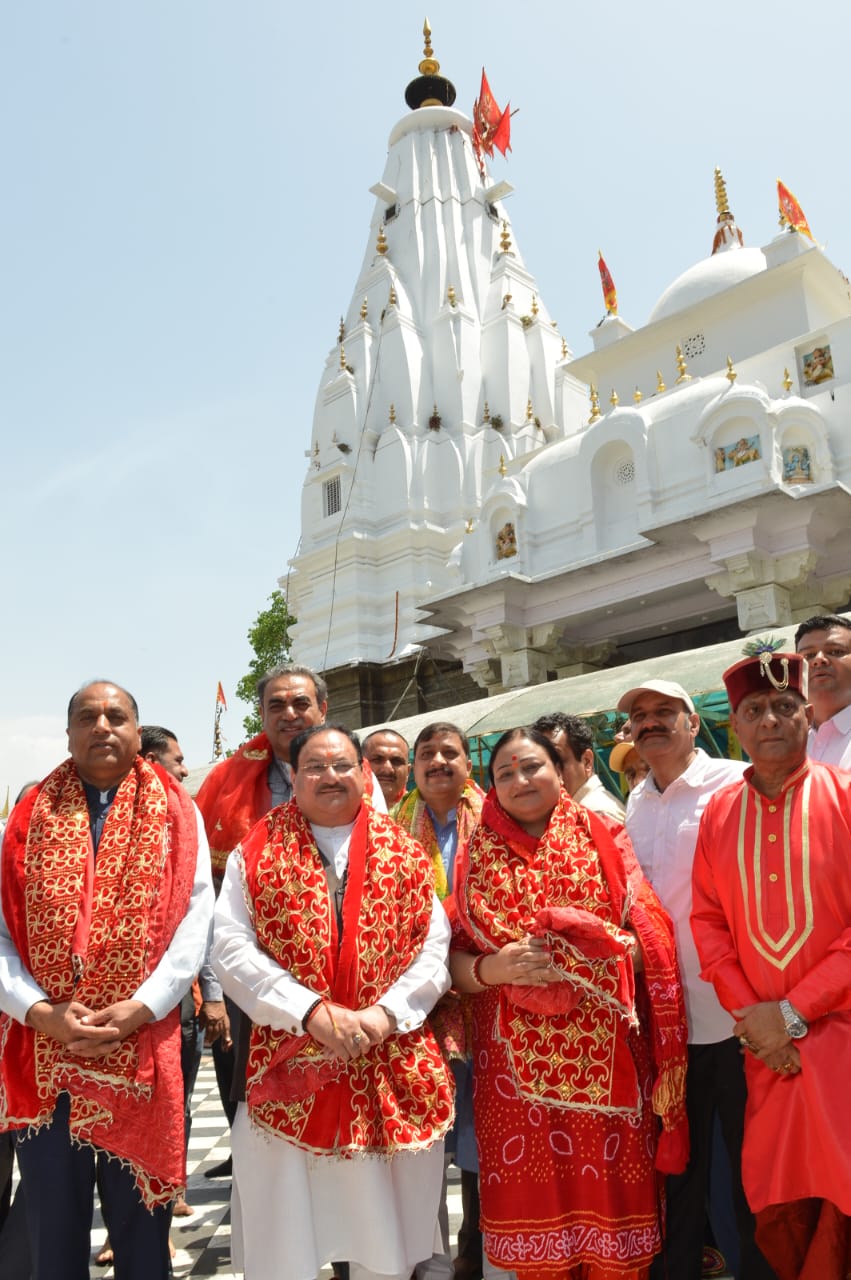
<point>106,906</point>
<point>329,935</point>
<point>772,923</point>
<point>235,795</point>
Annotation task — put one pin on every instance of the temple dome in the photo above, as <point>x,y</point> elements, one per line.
<point>713,275</point>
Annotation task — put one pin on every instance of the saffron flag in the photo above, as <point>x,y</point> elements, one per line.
<point>491,127</point>
<point>791,212</point>
<point>610,293</point>
<point>220,697</point>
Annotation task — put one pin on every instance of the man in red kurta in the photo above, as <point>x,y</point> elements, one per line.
<point>772,923</point>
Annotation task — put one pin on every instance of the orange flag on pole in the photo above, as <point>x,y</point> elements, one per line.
<point>610,293</point>
<point>491,127</point>
<point>791,212</point>
<point>220,697</point>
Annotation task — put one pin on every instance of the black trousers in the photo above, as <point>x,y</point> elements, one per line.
<point>59,1180</point>
<point>715,1083</point>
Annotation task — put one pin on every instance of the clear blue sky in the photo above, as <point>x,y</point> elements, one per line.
<point>184,211</point>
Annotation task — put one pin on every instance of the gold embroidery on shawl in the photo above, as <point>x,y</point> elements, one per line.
<point>767,946</point>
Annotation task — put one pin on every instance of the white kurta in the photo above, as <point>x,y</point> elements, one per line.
<point>294,1212</point>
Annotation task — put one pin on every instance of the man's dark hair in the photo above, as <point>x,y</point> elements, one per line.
<point>155,738</point>
<point>439,729</point>
<point>579,735</point>
<point>292,669</point>
<point>530,734</point>
<point>377,732</point>
<point>128,695</point>
<point>820,622</point>
<point>300,740</point>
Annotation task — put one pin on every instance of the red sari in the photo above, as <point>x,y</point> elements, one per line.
<point>571,1080</point>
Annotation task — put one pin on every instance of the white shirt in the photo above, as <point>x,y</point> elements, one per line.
<point>272,997</point>
<point>831,742</point>
<point>172,977</point>
<point>662,826</point>
<point>599,799</point>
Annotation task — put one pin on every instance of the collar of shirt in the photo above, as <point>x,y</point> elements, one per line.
<point>792,780</point>
<point>699,771</point>
<point>446,835</point>
<point>333,843</point>
<point>280,778</point>
<point>99,804</point>
<point>828,741</point>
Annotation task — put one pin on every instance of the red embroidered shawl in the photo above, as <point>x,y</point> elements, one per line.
<point>236,794</point>
<point>398,1096</point>
<point>106,922</point>
<point>567,1042</point>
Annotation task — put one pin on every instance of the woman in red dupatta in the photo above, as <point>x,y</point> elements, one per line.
<point>579,1043</point>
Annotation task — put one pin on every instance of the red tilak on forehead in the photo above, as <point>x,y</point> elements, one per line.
<point>514,759</point>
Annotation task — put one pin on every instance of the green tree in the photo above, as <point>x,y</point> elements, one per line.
<point>269,637</point>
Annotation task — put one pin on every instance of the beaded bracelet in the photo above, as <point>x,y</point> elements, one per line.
<point>475,973</point>
<point>310,1013</point>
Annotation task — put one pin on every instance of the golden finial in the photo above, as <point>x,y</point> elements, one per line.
<point>534,304</point>
<point>429,65</point>
<point>636,395</point>
<point>341,335</point>
<point>721,203</point>
<point>506,301</point>
<point>363,310</point>
<point>787,381</point>
<point>392,415</point>
<point>450,295</point>
<point>564,348</point>
<point>505,238</point>
<point>468,527</point>
<point>613,399</point>
<point>684,376</point>
<point>392,300</point>
<point>660,385</point>
<point>381,243</point>
<point>342,355</point>
<point>731,374</point>
<point>503,469</point>
<point>486,416</point>
<point>529,412</point>
<point>595,406</point>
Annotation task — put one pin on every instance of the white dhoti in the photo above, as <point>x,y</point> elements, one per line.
<point>293,1212</point>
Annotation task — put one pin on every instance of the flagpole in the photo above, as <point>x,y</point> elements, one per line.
<point>221,705</point>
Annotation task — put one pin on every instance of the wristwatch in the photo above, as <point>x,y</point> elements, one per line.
<point>796,1027</point>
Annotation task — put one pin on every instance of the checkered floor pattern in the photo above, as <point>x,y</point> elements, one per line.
<point>203,1241</point>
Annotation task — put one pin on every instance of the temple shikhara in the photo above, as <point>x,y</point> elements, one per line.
<point>483,510</point>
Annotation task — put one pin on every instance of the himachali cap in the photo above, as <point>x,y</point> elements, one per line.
<point>667,688</point>
<point>764,672</point>
<point>618,755</point>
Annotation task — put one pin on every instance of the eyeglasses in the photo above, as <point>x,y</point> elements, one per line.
<point>342,769</point>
